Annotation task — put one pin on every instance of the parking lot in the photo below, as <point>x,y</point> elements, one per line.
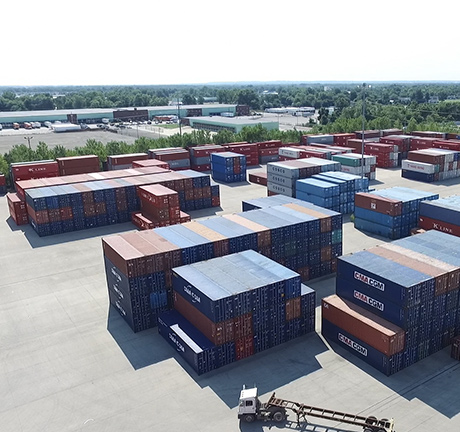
<point>68,362</point>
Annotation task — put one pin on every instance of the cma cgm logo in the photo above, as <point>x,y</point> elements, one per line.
<point>352,344</point>
<point>179,346</point>
<point>195,298</point>
<point>369,300</point>
<point>369,281</point>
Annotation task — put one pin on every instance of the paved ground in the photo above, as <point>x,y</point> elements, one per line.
<point>68,362</point>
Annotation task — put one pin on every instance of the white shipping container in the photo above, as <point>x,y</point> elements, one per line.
<point>356,170</point>
<point>283,190</point>
<point>289,152</point>
<point>281,180</point>
<point>418,166</point>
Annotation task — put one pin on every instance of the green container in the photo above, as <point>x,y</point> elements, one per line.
<point>353,162</point>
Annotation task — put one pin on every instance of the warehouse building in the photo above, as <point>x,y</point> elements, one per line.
<point>235,125</point>
<point>96,115</point>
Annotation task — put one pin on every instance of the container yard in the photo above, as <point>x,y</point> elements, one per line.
<point>71,362</point>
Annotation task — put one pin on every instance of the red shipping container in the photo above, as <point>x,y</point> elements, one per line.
<point>380,334</point>
<point>54,215</point>
<point>448,145</point>
<point>427,224</point>
<point>418,143</point>
<point>201,168</point>
<point>259,177</point>
<point>386,132</point>
<point>377,203</point>
<point>126,159</point>
<point>150,163</point>
<point>244,347</point>
<point>2,180</point>
<point>341,139</point>
<point>215,201</point>
<point>184,217</point>
<point>158,195</point>
<point>429,134</point>
<point>142,222</point>
<point>269,144</point>
<point>34,170</point>
<point>218,333</point>
<point>205,150</point>
<point>154,213</point>
<point>293,308</point>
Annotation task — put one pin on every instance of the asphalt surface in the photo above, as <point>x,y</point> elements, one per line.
<point>68,362</point>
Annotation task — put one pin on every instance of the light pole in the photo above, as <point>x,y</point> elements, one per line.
<point>363,125</point>
<point>178,116</point>
<point>28,140</point>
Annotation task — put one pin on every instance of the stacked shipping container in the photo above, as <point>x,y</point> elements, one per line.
<point>200,156</point>
<point>301,236</point>
<point>356,164</point>
<point>430,165</point>
<point>343,195</point>
<point>228,167</point>
<point>33,170</point>
<point>249,150</point>
<point>413,284</point>
<point>124,161</point>
<point>391,213</point>
<point>282,176</point>
<point>64,208</point>
<point>235,306</point>
<point>78,165</point>
<point>441,214</point>
<point>17,208</point>
<point>176,158</point>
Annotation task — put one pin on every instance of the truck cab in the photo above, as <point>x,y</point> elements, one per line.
<point>250,408</point>
<point>249,402</point>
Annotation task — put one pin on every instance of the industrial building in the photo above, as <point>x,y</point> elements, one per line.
<point>236,124</point>
<point>96,115</point>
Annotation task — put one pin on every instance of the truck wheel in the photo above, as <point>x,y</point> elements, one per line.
<point>278,416</point>
<point>249,418</point>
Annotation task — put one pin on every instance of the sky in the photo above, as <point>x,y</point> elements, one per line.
<point>101,42</point>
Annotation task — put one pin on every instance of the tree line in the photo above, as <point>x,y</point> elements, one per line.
<point>22,153</point>
<point>257,96</point>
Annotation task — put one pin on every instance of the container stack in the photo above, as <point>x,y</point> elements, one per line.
<point>341,139</point>
<point>409,289</point>
<point>150,163</point>
<point>368,134</point>
<point>282,176</point>
<point>159,207</point>
<point>229,308</point>
<point>390,213</point>
<point>137,266</point>
<point>201,193</point>
<point>176,157</point>
<point>319,192</point>
<point>78,206</point>
<point>78,165</point>
<point>268,151</point>
<point>17,208</point>
<point>22,186</point>
<point>301,236</point>
<point>348,184</point>
<point>390,132</point>
<point>387,155</point>
<point>442,215</point>
<point>431,165</point>
<point>228,167</point>
<point>249,150</point>
<point>402,141</point>
<point>302,152</point>
<point>320,139</point>
<point>200,156</point>
<point>33,170</point>
<point>2,184</point>
<point>124,161</point>
<point>356,164</point>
